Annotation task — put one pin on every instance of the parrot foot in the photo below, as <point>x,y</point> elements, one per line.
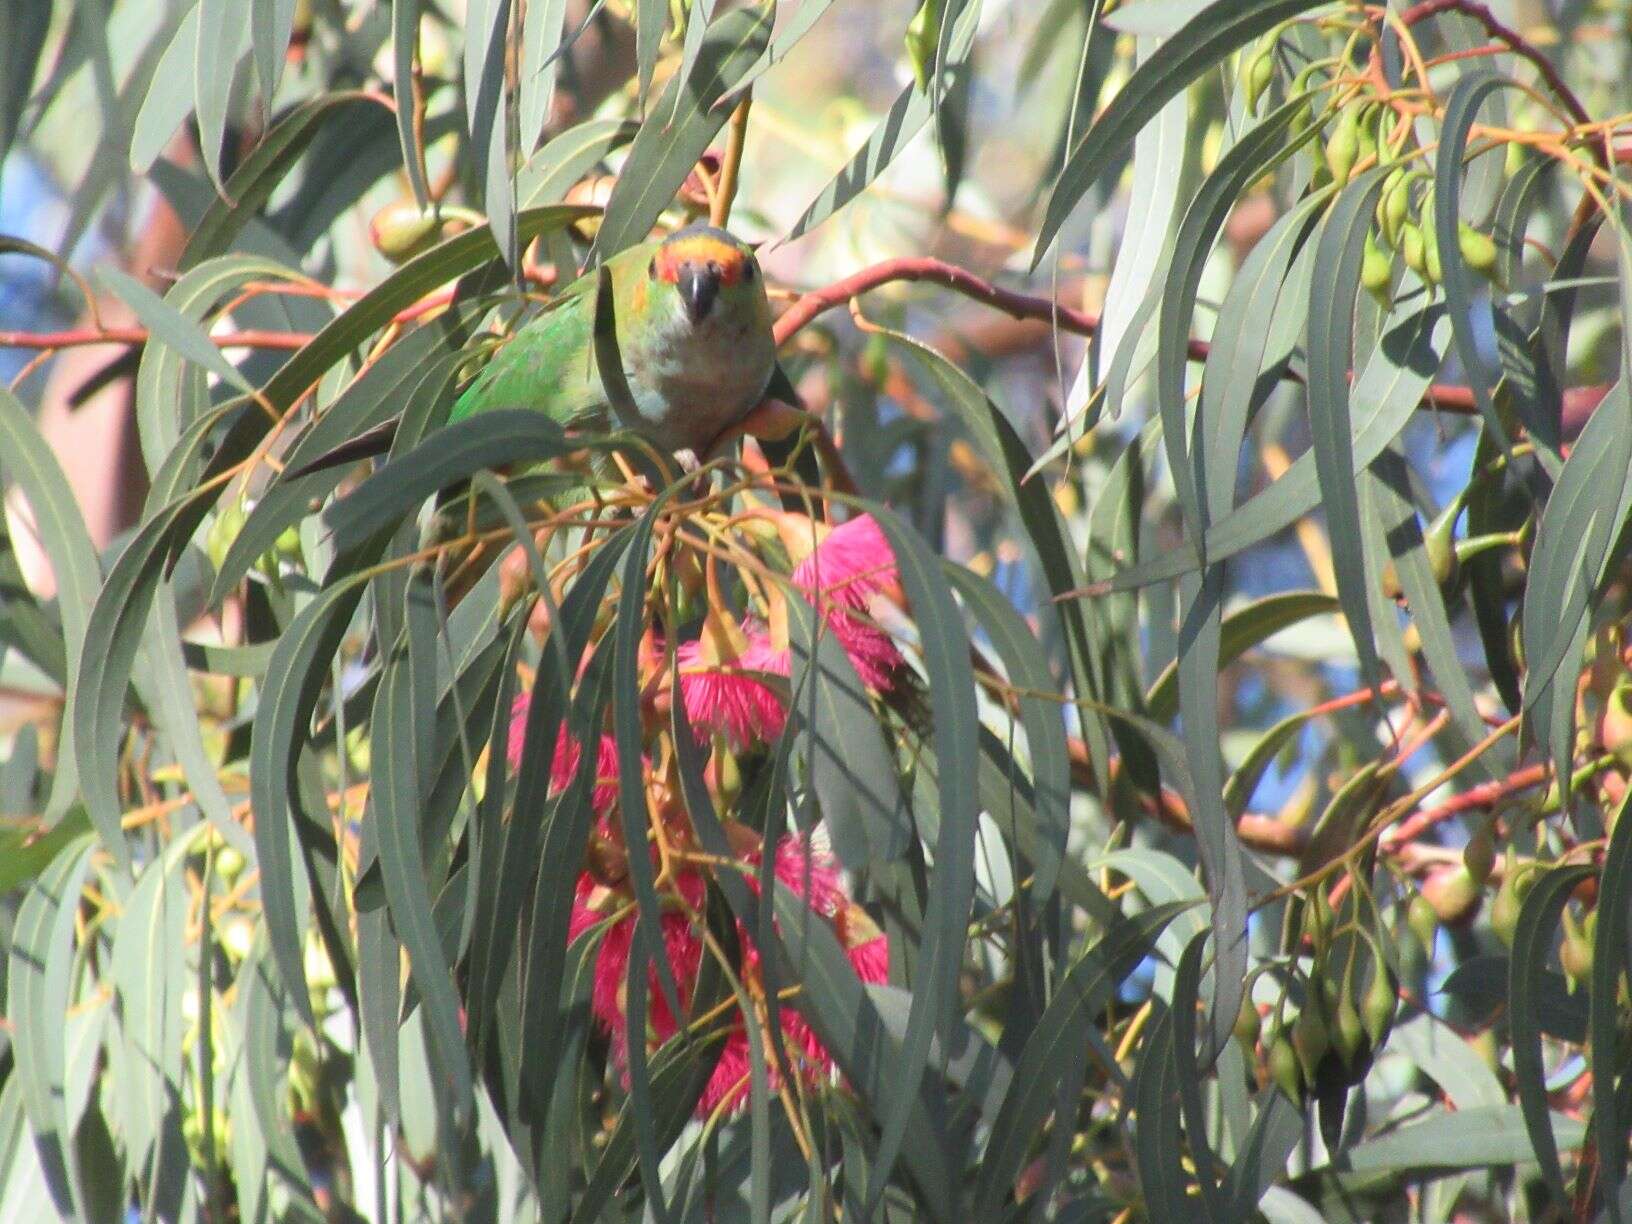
<point>690,465</point>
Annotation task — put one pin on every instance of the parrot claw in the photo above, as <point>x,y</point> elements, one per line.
<point>689,464</point>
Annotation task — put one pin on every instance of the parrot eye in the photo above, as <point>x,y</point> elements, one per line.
<point>713,268</point>
<point>747,269</point>
<point>651,269</point>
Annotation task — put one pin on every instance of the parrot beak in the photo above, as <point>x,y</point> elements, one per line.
<point>698,286</point>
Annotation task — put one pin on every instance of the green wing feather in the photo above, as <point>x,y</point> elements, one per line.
<point>549,364</point>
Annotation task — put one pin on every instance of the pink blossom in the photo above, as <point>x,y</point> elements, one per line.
<point>853,562</point>
<point>567,755</point>
<point>841,575</point>
<point>871,960</point>
<point>810,874</point>
<point>682,949</point>
<point>727,699</point>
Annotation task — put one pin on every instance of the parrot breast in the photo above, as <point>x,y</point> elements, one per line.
<point>689,380</point>
<point>692,381</point>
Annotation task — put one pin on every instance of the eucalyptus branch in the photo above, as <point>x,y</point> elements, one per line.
<point>1512,39</point>
<point>726,191</point>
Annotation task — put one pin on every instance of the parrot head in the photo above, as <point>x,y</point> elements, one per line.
<point>713,276</point>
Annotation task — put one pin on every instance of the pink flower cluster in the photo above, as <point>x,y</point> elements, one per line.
<point>840,576</point>
<point>806,872</point>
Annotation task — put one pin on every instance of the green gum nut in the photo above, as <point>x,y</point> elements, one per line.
<point>1259,74</point>
<point>1395,205</point>
<point>729,776</point>
<point>1509,900</point>
<point>1575,953</point>
<point>1284,1069</point>
<point>400,231</point>
<point>1440,543</point>
<point>1479,855</point>
<point>287,544</point>
<point>1343,147</point>
<point>1377,271</point>
<point>229,863</point>
<point>1615,724</point>
<point>1423,921</point>
<point>1454,894</point>
<point>1317,918</point>
<point>1412,248</point>
<point>1366,133</point>
<point>1432,271</point>
<point>1478,250</point>
<point>1309,113</point>
<point>1247,1022</point>
<point>1311,1037</point>
<point>923,32</point>
<point>1377,1009</point>
<point>229,521</point>
<point>1348,1033</point>
<point>1512,158</point>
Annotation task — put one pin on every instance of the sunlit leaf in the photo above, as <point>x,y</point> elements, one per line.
<point>665,149</point>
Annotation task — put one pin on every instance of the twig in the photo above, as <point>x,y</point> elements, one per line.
<point>726,192</point>
<point>1516,42</point>
<point>1483,795</point>
<point>83,336</point>
<point>808,307</point>
<point>130,336</point>
<point>1263,833</point>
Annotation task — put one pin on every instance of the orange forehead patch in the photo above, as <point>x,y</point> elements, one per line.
<point>700,249</point>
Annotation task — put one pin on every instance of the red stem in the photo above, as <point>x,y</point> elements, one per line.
<point>1482,795</point>
<point>79,337</point>
<point>1516,42</point>
<point>1578,401</point>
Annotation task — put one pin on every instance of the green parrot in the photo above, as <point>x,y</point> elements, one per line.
<point>693,327</point>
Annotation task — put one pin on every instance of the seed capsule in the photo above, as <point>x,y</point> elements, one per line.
<point>1247,1022</point>
<point>1343,147</point>
<point>923,33</point>
<point>1453,893</point>
<point>1509,901</point>
<point>1349,1035</point>
<point>1615,724</point>
<point>1513,158</point>
<point>1478,250</point>
<point>1432,271</point>
<point>1412,248</point>
<point>1377,1009</point>
<point>229,521</point>
<point>229,863</point>
<point>1317,919</point>
<point>1284,1069</point>
<point>1377,271</point>
<point>1396,203</point>
<point>1366,134</point>
<point>400,231</point>
<point>1423,921</point>
<point>1311,1038</point>
<point>1575,953</point>
<point>1259,74</point>
<point>1479,855</point>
